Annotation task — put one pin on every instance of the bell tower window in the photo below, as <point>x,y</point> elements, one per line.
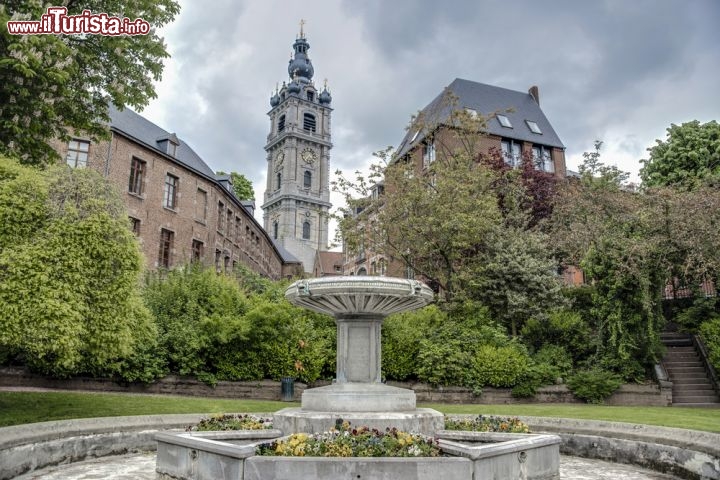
<point>278,181</point>
<point>307,179</point>
<point>309,122</point>
<point>306,231</point>
<point>281,123</point>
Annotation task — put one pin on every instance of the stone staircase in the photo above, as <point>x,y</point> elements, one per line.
<point>691,385</point>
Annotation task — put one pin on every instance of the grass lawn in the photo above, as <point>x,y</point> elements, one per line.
<point>28,407</point>
<point>707,419</point>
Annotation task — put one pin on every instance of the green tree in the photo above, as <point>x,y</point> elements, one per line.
<point>459,223</point>
<point>242,186</point>
<point>630,245</point>
<point>69,273</point>
<point>51,85</point>
<point>689,156</point>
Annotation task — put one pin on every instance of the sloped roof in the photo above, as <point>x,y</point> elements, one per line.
<point>284,254</point>
<point>487,100</point>
<point>147,133</point>
<point>328,261</point>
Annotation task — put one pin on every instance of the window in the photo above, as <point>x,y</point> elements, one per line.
<point>309,122</point>
<point>238,224</point>
<point>373,268</point>
<point>229,223</point>
<point>383,267</point>
<point>275,229</point>
<point>170,194</point>
<point>310,96</point>
<point>362,271</point>
<point>504,121</point>
<point>306,231</point>
<point>135,225</point>
<point>533,127</point>
<point>278,181</point>
<point>512,152</point>
<point>307,179</point>
<point>198,250</point>
<point>166,245</point>
<point>221,217</point>
<point>201,205</point>
<point>77,154</point>
<point>137,176</point>
<point>414,136</point>
<point>227,263</point>
<point>218,254</point>
<point>428,152</point>
<point>472,112</point>
<point>542,159</point>
<point>281,123</point>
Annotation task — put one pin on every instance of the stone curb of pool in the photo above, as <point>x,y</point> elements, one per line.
<point>687,453</point>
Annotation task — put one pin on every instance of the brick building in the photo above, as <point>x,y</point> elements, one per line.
<point>515,126</point>
<point>179,209</point>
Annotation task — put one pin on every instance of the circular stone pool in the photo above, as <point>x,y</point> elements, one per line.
<point>142,467</point>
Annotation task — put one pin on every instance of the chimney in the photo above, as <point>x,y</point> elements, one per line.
<point>535,93</point>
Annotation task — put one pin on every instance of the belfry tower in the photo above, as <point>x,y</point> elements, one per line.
<point>297,194</point>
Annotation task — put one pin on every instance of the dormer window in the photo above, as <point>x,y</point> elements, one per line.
<point>309,122</point>
<point>504,121</point>
<point>533,127</point>
<point>168,144</point>
<point>310,96</point>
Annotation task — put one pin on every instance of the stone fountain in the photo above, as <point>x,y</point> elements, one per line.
<point>359,306</point>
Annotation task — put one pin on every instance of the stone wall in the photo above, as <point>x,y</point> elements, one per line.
<point>650,394</point>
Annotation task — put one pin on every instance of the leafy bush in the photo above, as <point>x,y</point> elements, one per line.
<point>401,337</point>
<point>69,272</point>
<point>200,318</point>
<point>701,310</point>
<point>710,334</point>
<point>487,424</point>
<point>563,327</point>
<point>500,366</point>
<point>594,386</point>
<point>288,341</point>
<point>557,360</point>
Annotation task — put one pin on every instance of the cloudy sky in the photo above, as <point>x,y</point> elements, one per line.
<point>616,70</point>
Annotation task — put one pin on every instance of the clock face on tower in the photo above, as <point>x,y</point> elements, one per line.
<point>308,156</point>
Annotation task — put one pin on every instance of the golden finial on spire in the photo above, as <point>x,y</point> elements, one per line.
<point>302,24</point>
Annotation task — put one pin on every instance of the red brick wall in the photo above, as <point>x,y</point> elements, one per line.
<point>245,244</point>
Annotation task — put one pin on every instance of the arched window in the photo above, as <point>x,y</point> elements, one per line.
<point>362,271</point>
<point>309,122</point>
<point>306,230</point>
<point>307,179</point>
<point>278,180</point>
<point>281,123</point>
<point>275,230</point>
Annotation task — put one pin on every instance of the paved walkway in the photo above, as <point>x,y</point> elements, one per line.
<point>142,467</point>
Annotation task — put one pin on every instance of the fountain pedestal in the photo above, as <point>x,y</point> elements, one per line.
<point>359,305</point>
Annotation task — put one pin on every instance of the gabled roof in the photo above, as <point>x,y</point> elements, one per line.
<point>328,261</point>
<point>147,133</point>
<point>487,100</point>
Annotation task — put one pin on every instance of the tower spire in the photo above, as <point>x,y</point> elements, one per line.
<point>302,24</point>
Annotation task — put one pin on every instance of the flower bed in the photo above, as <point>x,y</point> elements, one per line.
<point>487,424</point>
<point>346,441</point>
<point>231,422</point>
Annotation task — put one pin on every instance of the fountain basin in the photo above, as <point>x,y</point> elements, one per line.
<point>470,455</point>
